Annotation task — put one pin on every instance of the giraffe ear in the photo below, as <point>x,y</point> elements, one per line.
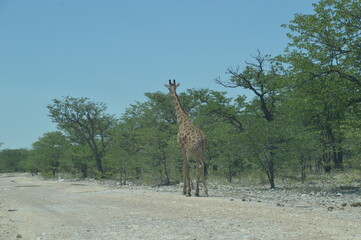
<point>177,84</point>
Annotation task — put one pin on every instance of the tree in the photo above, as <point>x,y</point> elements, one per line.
<point>153,123</point>
<point>328,42</point>
<point>85,123</point>
<point>123,155</point>
<point>48,153</point>
<point>226,150</point>
<point>144,143</point>
<point>266,85</point>
<point>12,160</point>
<point>324,59</point>
<point>215,107</point>
<point>80,160</point>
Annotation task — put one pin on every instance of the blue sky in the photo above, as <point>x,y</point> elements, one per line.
<point>115,51</point>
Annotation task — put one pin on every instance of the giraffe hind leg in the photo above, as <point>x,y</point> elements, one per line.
<point>201,178</point>
<point>186,180</point>
<point>188,194</point>
<point>186,177</point>
<point>184,183</point>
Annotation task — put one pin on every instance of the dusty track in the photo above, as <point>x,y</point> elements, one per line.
<point>34,209</point>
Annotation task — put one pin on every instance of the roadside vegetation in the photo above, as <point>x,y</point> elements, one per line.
<point>303,123</point>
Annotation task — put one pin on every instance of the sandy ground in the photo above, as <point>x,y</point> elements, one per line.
<point>34,209</point>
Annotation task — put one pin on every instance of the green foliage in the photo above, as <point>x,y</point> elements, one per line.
<point>324,63</point>
<point>326,45</point>
<point>304,118</point>
<point>80,161</point>
<point>48,154</point>
<point>143,145</point>
<point>85,123</point>
<point>226,151</point>
<point>13,160</point>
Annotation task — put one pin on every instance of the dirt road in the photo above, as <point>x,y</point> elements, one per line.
<point>34,209</point>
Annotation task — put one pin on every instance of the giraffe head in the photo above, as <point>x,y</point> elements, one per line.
<point>171,86</point>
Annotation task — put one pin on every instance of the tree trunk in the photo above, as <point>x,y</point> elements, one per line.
<point>230,173</point>
<point>267,113</point>
<point>338,158</point>
<point>303,168</point>
<point>96,154</point>
<point>84,170</point>
<point>54,171</point>
<point>167,174</point>
<point>333,150</point>
<point>272,179</point>
<point>326,161</point>
<point>122,176</point>
<point>98,161</point>
<point>229,177</point>
<point>165,166</point>
<point>271,172</point>
<point>125,177</point>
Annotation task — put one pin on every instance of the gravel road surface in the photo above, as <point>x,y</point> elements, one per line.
<point>34,209</point>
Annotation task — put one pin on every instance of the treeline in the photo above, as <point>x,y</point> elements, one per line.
<point>304,117</point>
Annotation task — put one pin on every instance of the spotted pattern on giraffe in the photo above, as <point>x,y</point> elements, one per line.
<point>192,144</point>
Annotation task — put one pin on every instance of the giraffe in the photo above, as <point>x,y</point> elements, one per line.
<point>191,141</point>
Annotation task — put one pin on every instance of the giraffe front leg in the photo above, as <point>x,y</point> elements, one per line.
<point>184,157</point>
<point>186,180</point>
<point>188,183</point>
<point>184,186</point>
<point>202,175</point>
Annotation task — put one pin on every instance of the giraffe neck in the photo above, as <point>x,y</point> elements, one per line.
<point>182,115</point>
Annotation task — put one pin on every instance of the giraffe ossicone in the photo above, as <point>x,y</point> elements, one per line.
<point>192,143</point>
